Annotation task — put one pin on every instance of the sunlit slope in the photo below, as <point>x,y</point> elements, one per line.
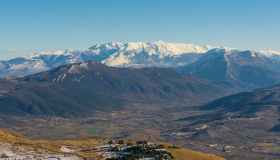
<point>186,154</point>
<point>81,145</point>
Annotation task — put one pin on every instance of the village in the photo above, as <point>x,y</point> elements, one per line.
<point>141,150</point>
<point>112,150</point>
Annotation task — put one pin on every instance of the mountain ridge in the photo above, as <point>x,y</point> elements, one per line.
<point>118,54</point>
<point>89,86</point>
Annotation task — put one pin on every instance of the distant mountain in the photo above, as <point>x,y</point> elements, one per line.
<point>80,88</point>
<point>132,54</point>
<point>241,69</point>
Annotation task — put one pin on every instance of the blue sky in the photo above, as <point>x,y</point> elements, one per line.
<point>27,25</point>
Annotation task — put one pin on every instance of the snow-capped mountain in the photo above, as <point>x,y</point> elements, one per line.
<point>212,63</point>
<point>132,54</point>
<point>155,54</point>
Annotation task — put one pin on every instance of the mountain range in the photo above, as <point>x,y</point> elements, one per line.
<point>241,69</point>
<point>136,54</point>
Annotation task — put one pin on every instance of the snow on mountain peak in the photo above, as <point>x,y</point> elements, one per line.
<point>270,52</point>
<point>166,48</point>
<point>108,46</point>
<point>122,54</point>
<point>152,53</point>
<point>152,48</point>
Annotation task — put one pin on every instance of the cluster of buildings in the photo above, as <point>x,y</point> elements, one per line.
<point>140,150</point>
<point>113,150</point>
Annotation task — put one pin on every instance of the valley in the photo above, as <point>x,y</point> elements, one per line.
<point>248,135</point>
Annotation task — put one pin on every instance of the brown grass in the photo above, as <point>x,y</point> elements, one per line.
<point>186,154</point>
<point>54,146</point>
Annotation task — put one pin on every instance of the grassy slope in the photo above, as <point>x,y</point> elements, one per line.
<point>54,146</point>
<point>186,154</point>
